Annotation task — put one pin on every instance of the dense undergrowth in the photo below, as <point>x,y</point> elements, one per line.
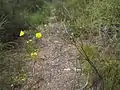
<point>95,24</point>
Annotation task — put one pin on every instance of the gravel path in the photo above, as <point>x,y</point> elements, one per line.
<point>55,68</point>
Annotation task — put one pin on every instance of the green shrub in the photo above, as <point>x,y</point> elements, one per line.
<point>85,18</point>
<point>13,62</point>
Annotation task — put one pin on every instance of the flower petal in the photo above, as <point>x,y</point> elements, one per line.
<point>22,33</point>
<point>38,35</point>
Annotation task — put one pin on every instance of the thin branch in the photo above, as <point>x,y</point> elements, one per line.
<point>86,82</point>
<point>83,53</point>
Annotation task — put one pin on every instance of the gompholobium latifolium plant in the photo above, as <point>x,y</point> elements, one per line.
<point>30,41</point>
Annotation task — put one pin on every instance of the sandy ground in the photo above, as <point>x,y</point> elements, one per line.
<point>56,67</point>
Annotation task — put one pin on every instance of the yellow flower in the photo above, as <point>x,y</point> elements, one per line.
<point>34,54</point>
<point>38,35</point>
<point>22,33</point>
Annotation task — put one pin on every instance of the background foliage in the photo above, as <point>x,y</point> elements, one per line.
<point>16,15</point>
<point>96,24</point>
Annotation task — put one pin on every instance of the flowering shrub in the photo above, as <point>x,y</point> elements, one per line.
<point>31,48</point>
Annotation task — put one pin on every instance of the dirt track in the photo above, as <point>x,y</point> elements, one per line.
<point>55,69</point>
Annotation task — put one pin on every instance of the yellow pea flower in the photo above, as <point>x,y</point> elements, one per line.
<point>22,33</point>
<point>34,54</point>
<point>38,35</point>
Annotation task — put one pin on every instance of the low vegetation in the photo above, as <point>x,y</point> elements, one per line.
<point>95,28</point>
<point>18,37</point>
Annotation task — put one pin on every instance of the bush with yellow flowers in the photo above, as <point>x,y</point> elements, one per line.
<point>30,43</point>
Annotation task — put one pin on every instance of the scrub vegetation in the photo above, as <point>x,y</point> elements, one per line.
<point>92,26</point>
